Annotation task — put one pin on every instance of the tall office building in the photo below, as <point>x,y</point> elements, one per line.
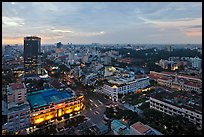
<point>59,45</point>
<point>107,59</point>
<point>196,62</point>
<point>32,55</point>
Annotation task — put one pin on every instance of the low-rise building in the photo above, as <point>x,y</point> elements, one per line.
<point>116,85</point>
<point>52,104</point>
<point>175,103</point>
<point>139,128</point>
<point>179,82</point>
<point>119,128</point>
<point>196,63</point>
<point>18,109</point>
<point>90,79</point>
<point>16,92</point>
<point>100,129</point>
<point>42,107</point>
<point>18,117</point>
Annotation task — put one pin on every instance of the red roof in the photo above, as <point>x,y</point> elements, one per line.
<point>15,86</point>
<point>166,72</point>
<point>193,84</point>
<point>140,127</point>
<point>62,57</point>
<point>164,78</point>
<point>182,75</point>
<point>153,76</point>
<point>139,76</point>
<point>158,76</point>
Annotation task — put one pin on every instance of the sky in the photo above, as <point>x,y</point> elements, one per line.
<point>103,22</point>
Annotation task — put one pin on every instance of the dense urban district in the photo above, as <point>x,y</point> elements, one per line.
<point>101,89</point>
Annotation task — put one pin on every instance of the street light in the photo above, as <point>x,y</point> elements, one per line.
<point>165,127</point>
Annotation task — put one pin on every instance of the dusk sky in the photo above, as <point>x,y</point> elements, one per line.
<point>112,22</point>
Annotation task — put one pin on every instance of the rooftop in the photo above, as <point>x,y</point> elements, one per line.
<point>170,73</point>
<point>145,129</point>
<point>165,78</point>
<point>188,76</point>
<point>153,76</point>
<point>56,84</point>
<point>102,127</point>
<point>117,126</point>
<point>120,81</point>
<point>31,38</point>
<point>15,86</point>
<point>140,127</point>
<point>180,99</point>
<point>13,106</point>
<point>193,83</point>
<point>45,97</point>
<point>62,57</point>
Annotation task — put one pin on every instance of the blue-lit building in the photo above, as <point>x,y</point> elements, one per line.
<point>50,105</point>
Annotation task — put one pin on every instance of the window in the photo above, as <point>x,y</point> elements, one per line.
<point>10,117</point>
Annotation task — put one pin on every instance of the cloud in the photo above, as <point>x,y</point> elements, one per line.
<point>61,31</point>
<point>45,6</point>
<point>195,26</point>
<point>194,33</point>
<point>88,34</point>
<point>75,33</point>
<point>100,21</point>
<point>14,40</point>
<point>175,24</point>
<point>12,21</point>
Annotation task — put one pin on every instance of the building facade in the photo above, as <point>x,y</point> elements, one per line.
<point>52,104</point>
<point>32,55</point>
<point>168,107</point>
<point>18,116</point>
<point>16,92</point>
<point>41,108</point>
<point>196,63</point>
<point>139,128</point>
<point>179,82</point>
<point>119,128</point>
<point>112,89</point>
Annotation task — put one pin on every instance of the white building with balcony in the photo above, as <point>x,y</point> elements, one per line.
<point>117,86</point>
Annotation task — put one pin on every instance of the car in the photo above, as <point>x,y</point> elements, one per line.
<point>108,106</point>
<point>96,112</point>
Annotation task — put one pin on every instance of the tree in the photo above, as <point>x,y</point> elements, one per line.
<point>63,67</point>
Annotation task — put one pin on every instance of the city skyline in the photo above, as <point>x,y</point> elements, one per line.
<point>100,22</point>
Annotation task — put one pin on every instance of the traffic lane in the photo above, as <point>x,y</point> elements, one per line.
<point>96,117</point>
<point>96,96</point>
<point>100,101</point>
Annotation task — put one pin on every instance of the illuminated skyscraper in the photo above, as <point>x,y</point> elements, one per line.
<point>32,55</point>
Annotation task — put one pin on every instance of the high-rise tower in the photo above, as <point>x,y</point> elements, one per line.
<point>32,55</point>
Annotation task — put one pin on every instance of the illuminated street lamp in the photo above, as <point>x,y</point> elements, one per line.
<point>165,127</point>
